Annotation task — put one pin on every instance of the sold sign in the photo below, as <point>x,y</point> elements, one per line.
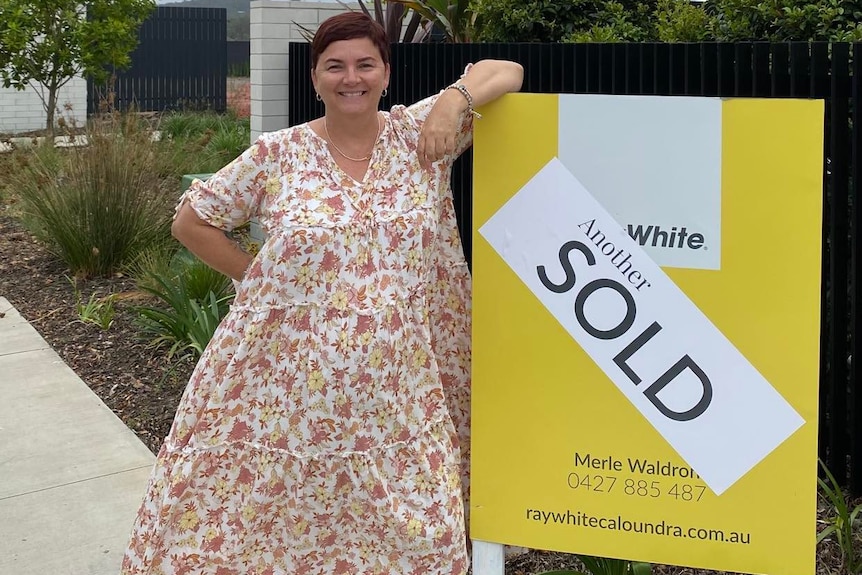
<point>686,378</point>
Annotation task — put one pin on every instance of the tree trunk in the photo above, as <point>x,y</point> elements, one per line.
<point>52,106</point>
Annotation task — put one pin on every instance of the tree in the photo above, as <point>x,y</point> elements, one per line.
<point>46,43</point>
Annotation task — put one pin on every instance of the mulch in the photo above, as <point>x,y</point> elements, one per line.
<point>143,388</point>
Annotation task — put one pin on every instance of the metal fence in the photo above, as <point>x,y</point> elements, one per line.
<point>179,63</point>
<point>787,70</point>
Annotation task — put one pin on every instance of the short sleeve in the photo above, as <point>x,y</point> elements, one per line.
<point>232,196</point>
<point>420,110</point>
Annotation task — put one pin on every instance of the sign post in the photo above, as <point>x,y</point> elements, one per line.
<point>646,329</point>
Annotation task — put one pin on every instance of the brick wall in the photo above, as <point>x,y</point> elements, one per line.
<point>22,111</point>
<point>274,24</point>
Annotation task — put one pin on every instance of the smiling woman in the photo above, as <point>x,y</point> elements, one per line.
<point>326,427</point>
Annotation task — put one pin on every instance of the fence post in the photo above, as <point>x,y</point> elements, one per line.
<point>488,558</point>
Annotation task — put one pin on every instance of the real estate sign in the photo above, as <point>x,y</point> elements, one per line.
<point>646,328</point>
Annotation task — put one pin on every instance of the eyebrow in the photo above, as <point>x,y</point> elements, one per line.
<point>338,61</point>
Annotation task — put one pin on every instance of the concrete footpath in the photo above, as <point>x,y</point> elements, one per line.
<point>72,475</point>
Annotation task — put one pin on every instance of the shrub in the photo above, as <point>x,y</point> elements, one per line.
<point>225,145</point>
<point>203,142</point>
<point>98,206</point>
<point>519,21</point>
<point>192,300</point>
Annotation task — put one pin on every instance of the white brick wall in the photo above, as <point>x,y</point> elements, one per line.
<point>273,27</point>
<point>22,111</point>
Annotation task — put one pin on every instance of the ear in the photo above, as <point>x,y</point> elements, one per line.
<point>386,77</point>
<point>314,78</point>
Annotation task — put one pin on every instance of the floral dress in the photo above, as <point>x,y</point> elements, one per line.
<point>325,428</point>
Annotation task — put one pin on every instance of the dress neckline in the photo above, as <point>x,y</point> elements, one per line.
<point>324,145</point>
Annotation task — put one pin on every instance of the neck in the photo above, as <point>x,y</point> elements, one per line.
<point>353,129</point>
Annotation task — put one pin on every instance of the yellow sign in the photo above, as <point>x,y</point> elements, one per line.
<point>646,328</point>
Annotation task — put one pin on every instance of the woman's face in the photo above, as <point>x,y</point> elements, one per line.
<point>350,76</point>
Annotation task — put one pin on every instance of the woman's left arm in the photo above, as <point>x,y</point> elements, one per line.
<point>485,81</point>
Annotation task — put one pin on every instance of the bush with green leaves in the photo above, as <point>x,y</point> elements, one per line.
<point>191,300</point>
<point>530,21</point>
<point>667,20</point>
<point>98,206</point>
<point>785,20</point>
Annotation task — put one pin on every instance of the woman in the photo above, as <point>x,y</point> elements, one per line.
<point>320,430</point>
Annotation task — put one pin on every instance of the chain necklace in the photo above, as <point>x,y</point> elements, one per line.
<point>337,149</point>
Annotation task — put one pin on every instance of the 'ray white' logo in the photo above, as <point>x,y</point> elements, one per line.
<point>675,237</point>
<point>669,360</point>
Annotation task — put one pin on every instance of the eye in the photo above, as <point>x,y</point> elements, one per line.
<point>333,67</point>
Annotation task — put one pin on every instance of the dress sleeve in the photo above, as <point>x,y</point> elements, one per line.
<point>420,110</point>
<point>233,195</point>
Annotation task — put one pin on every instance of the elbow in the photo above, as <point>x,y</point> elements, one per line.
<point>511,73</point>
<point>179,228</point>
<point>517,76</point>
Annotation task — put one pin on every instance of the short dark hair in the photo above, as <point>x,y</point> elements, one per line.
<point>348,26</point>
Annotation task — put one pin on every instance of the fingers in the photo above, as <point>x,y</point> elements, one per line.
<point>433,147</point>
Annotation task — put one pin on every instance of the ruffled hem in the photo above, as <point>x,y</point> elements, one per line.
<point>241,509</point>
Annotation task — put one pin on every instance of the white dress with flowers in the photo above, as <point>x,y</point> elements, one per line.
<point>325,429</point>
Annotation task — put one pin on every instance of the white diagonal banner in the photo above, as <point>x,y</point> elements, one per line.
<point>689,381</point>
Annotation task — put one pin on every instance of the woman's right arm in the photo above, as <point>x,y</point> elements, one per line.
<point>210,244</point>
<point>228,199</point>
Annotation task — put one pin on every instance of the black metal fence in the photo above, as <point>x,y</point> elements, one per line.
<point>180,63</point>
<point>787,70</point>
<point>239,58</point>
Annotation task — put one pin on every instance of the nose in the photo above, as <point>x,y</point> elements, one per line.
<point>352,76</point>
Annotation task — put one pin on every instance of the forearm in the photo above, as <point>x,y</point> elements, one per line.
<point>487,80</point>
<point>210,244</point>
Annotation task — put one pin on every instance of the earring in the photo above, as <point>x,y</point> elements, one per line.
<point>385,93</point>
<point>317,95</point>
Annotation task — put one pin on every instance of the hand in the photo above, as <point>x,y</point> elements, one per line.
<point>437,138</point>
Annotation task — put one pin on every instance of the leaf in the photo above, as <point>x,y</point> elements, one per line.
<point>826,533</point>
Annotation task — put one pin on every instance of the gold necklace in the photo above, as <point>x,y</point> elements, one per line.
<point>337,149</point>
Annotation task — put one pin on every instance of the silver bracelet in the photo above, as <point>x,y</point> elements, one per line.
<point>466,93</point>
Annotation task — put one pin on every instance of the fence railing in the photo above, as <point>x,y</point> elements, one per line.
<point>180,63</point>
<point>763,70</point>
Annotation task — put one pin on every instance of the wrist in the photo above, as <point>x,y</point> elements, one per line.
<point>465,96</point>
<point>460,94</point>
